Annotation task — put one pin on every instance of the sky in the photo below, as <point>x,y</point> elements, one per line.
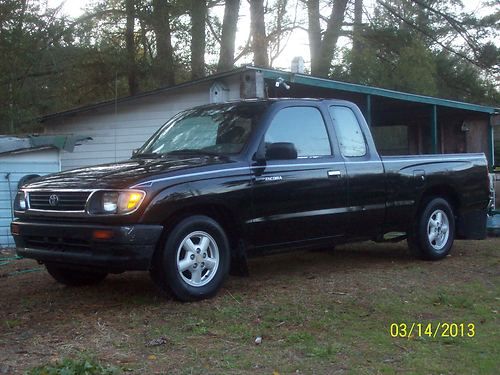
<point>298,44</point>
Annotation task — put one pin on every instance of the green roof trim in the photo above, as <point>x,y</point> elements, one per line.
<point>305,79</point>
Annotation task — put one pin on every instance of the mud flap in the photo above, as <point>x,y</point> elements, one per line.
<point>471,225</point>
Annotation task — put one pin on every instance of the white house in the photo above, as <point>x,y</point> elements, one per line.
<point>117,127</point>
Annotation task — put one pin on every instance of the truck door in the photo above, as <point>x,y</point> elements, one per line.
<point>304,198</point>
<point>365,173</point>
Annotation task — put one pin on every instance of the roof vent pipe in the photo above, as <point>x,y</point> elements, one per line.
<point>297,65</point>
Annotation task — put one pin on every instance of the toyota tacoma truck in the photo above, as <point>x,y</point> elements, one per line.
<point>222,182</point>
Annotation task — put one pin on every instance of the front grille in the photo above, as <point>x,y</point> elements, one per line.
<point>58,200</point>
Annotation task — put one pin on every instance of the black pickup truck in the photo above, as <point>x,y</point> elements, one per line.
<point>221,182</point>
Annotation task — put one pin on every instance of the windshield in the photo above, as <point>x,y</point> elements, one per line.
<point>220,129</point>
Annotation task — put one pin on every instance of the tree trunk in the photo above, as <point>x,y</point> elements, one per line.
<point>198,21</point>
<point>314,32</point>
<point>226,57</point>
<point>357,41</point>
<point>322,50</point>
<point>164,64</point>
<point>144,25</point>
<point>133,84</point>
<point>358,26</point>
<point>258,31</point>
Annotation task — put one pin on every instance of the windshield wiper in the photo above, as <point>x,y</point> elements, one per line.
<point>150,155</point>
<point>193,151</point>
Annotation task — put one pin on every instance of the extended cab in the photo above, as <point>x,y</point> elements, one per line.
<point>221,182</point>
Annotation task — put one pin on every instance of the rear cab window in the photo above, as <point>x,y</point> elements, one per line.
<point>349,134</point>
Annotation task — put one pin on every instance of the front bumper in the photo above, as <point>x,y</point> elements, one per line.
<point>129,247</point>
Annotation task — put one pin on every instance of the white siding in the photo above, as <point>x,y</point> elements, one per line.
<point>116,131</point>
<point>39,162</point>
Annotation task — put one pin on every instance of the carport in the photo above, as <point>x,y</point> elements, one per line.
<point>402,123</point>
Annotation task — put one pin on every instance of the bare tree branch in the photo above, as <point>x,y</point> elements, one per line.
<point>432,38</point>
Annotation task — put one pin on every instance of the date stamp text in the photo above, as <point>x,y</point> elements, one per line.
<point>432,330</point>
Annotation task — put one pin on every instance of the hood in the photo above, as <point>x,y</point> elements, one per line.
<point>121,174</point>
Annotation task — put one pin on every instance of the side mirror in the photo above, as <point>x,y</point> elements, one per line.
<point>281,151</point>
<point>135,152</point>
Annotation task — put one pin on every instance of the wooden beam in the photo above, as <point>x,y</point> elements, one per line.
<point>434,130</point>
<point>369,110</point>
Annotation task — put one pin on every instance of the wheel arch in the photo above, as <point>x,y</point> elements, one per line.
<point>444,191</point>
<point>224,216</point>
<point>163,270</point>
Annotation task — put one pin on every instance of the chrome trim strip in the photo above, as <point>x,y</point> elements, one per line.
<point>151,182</point>
<point>34,212</point>
<point>298,165</point>
<point>54,211</point>
<point>400,203</point>
<point>433,160</point>
<point>63,190</point>
<point>327,211</point>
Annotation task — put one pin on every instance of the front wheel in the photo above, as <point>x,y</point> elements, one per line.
<point>74,277</point>
<point>194,261</point>
<point>434,231</point>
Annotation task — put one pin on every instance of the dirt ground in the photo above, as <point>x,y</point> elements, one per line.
<point>317,313</point>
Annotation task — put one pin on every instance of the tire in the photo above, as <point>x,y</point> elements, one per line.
<point>74,277</point>
<point>433,233</point>
<point>199,246</point>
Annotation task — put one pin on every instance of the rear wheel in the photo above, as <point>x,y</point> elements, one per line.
<point>194,261</point>
<point>434,231</point>
<point>74,277</point>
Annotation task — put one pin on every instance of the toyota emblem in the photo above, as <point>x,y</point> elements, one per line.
<point>53,200</point>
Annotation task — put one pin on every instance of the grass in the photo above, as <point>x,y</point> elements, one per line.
<point>12,323</point>
<point>316,313</point>
<point>353,333</point>
<point>82,366</point>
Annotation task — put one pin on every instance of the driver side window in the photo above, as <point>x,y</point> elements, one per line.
<point>302,126</point>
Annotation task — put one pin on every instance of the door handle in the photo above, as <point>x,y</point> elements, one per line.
<point>334,174</point>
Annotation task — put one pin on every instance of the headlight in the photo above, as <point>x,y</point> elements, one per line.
<point>115,202</point>
<point>20,202</point>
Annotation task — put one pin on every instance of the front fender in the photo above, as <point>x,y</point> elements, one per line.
<point>233,195</point>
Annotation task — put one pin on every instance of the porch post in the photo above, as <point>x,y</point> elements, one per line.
<point>434,130</point>
<point>369,110</point>
<point>491,143</point>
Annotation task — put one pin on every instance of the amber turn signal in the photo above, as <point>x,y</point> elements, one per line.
<point>102,234</point>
